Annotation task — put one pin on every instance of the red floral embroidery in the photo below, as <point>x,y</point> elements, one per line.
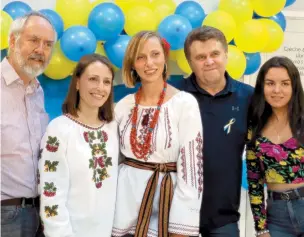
<point>105,136</point>
<point>52,144</point>
<point>99,161</point>
<point>49,189</point>
<point>86,136</point>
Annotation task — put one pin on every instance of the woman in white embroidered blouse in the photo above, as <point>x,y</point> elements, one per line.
<point>160,182</point>
<point>79,157</point>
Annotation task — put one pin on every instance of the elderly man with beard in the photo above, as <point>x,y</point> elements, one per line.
<point>23,122</point>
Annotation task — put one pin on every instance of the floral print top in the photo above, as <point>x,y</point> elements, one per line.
<point>271,163</point>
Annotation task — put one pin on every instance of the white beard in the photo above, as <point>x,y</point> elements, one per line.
<point>31,71</point>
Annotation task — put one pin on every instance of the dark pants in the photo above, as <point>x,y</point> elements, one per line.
<point>230,230</point>
<point>285,218</point>
<point>17,221</point>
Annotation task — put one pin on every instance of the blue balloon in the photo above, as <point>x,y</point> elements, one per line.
<point>253,61</point>
<point>106,21</point>
<point>78,41</point>
<point>16,9</point>
<point>280,19</point>
<point>3,53</point>
<point>232,42</point>
<point>256,16</point>
<point>55,92</point>
<point>55,19</point>
<point>115,49</point>
<point>192,11</point>
<point>289,2</point>
<point>174,29</point>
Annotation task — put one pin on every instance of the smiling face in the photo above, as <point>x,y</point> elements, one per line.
<point>94,85</point>
<point>150,61</point>
<point>32,50</point>
<point>208,61</point>
<point>277,88</point>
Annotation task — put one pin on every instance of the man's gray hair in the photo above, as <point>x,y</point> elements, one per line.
<point>18,25</point>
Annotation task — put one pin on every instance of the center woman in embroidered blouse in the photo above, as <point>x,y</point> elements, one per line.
<point>275,153</point>
<point>79,156</point>
<point>160,181</point>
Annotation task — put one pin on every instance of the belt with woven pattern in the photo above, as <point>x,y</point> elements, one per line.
<point>166,194</point>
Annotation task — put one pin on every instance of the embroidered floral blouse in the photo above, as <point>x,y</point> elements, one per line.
<point>177,137</point>
<point>78,176</point>
<point>271,163</point>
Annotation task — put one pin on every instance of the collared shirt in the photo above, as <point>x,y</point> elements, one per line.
<point>23,122</point>
<point>224,118</point>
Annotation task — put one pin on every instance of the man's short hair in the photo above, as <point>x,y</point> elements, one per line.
<point>203,34</point>
<point>18,25</point>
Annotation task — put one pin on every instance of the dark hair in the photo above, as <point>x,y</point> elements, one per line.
<point>203,34</point>
<point>260,110</point>
<point>71,102</point>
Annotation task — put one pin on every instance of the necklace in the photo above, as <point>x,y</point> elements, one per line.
<point>140,150</point>
<point>282,130</point>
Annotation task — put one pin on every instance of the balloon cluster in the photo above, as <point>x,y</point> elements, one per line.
<point>252,27</point>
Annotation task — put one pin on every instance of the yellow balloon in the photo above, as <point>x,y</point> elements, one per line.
<point>173,54</point>
<point>236,64</point>
<point>138,19</point>
<point>276,35</point>
<point>116,69</point>
<point>6,22</point>
<point>126,5</point>
<point>252,36</point>
<point>163,10</point>
<point>268,7</point>
<point>241,10</point>
<point>59,67</point>
<point>182,62</point>
<point>100,48</point>
<point>74,12</point>
<point>97,2</point>
<point>222,21</point>
<point>157,2</point>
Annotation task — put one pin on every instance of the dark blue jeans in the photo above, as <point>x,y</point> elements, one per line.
<point>285,218</point>
<point>17,221</point>
<point>230,230</point>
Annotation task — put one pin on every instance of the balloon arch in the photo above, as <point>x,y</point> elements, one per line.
<point>251,27</point>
